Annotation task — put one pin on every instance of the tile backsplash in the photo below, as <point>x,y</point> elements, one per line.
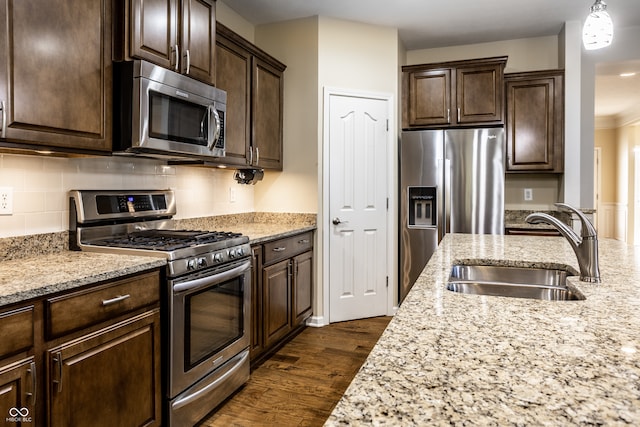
<point>40,188</point>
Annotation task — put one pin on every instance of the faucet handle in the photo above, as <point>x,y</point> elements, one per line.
<point>587,228</point>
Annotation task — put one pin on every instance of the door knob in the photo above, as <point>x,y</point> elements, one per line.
<point>337,221</point>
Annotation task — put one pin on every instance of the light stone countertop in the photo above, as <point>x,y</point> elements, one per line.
<point>453,359</point>
<point>23,279</point>
<point>39,275</point>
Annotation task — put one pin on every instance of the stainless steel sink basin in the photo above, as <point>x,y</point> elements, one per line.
<point>518,282</point>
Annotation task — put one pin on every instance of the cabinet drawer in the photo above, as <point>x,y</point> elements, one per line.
<point>17,331</point>
<point>288,247</point>
<point>78,310</point>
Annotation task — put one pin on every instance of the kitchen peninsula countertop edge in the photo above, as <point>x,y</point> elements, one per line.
<point>454,359</point>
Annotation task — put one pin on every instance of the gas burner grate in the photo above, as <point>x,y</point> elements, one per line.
<point>167,240</point>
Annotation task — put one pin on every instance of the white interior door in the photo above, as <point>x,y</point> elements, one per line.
<point>358,138</point>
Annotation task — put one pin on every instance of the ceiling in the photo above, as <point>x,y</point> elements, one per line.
<point>424,24</point>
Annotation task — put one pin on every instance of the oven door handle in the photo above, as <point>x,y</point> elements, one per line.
<point>202,282</point>
<point>179,403</point>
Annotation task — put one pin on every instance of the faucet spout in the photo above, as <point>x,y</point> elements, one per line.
<point>584,246</point>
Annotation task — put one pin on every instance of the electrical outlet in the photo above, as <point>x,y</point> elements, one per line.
<point>232,195</point>
<point>6,200</point>
<point>528,194</point>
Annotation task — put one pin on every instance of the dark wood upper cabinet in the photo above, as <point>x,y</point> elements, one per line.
<point>450,94</point>
<point>55,82</point>
<point>179,35</point>
<point>233,74</point>
<point>254,82</point>
<point>535,121</point>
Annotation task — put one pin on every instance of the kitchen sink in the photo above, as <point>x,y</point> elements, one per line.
<point>518,282</point>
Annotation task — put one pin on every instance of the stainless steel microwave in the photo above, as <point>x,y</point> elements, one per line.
<point>160,113</point>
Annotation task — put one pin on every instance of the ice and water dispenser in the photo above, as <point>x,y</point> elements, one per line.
<point>422,207</point>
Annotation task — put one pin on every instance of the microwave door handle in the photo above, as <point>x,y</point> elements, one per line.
<point>214,133</point>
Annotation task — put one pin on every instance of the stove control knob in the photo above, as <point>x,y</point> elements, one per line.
<point>232,253</point>
<point>240,252</point>
<point>218,257</point>
<point>191,264</point>
<point>202,262</point>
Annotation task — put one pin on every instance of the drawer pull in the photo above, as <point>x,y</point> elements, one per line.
<point>279,249</point>
<point>106,302</point>
<point>303,241</point>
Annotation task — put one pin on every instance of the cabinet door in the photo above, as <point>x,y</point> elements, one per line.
<point>276,284</point>
<point>233,75</point>
<point>108,378</point>
<point>427,97</point>
<point>56,78</point>
<point>302,287</point>
<point>535,123</point>
<point>153,34</point>
<point>257,343</point>
<point>266,114</point>
<point>198,39</point>
<point>479,95</point>
<point>18,393</point>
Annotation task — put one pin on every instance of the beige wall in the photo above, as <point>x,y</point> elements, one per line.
<point>229,18</point>
<point>605,139</point>
<point>295,189</point>
<point>539,53</point>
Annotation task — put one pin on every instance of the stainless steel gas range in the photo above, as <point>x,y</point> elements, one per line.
<point>206,302</point>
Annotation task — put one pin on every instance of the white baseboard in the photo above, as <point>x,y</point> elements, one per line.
<point>316,321</point>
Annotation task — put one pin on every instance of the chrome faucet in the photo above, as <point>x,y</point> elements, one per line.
<point>585,247</point>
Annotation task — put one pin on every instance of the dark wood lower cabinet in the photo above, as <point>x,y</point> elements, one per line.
<point>17,391</point>
<point>108,378</point>
<point>283,292</point>
<point>99,366</point>
<point>277,302</point>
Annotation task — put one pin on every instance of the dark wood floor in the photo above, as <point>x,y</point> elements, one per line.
<point>301,384</point>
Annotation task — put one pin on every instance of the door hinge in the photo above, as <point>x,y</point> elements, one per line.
<point>387,281</point>
<point>387,125</point>
<point>387,203</point>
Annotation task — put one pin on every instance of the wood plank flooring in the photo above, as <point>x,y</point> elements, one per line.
<point>301,384</point>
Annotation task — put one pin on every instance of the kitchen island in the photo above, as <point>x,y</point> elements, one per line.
<point>448,358</point>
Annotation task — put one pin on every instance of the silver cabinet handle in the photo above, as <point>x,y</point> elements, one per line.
<point>251,156</point>
<point>119,298</point>
<point>458,114</point>
<point>257,156</point>
<point>448,115</point>
<point>279,249</point>
<point>177,67</point>
<point>303,241</point>
<point>57,359</point>
<point>4,118</point>
<point>337,221</point>
<point>188,61</point>
<point>34,383</point>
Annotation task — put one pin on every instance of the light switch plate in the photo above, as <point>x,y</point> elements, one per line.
<point>528,194</point>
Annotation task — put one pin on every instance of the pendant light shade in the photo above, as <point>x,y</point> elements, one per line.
<point>598,28</point>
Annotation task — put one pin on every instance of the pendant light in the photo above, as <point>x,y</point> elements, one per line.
<point>598,28</point>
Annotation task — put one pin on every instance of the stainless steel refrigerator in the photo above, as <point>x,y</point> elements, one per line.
<point>451,181</point>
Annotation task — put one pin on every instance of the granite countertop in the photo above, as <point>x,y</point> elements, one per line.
<point>453,359</point>
<point>51,271</point>
<point>27,278</point>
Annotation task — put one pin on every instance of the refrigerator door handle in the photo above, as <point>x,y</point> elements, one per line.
<point>447,196</point>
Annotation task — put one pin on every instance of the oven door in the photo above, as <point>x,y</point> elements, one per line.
<point>208,322</point>
<point>175,121</point>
